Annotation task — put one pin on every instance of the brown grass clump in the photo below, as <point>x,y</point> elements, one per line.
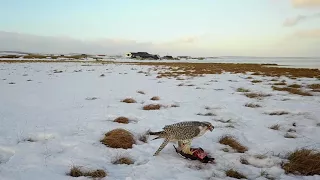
<point>129,100</point>
<point>118,138</point>
<point>141,92</point>
<point>232,142</point>
<point>278,113</point>
<point>235,174</point>
<point>155,98</point>
<point>280,83</point>
<point>275,127</point>
<point>243,90</point>
<point>152,107</point>
<point>256,81</point>
<point>177,69</point>
<point>252,105</point>
<point>292,91</point>
<point>121,119</point>
<point>77,172</point>
<point>314,86</point>
<point>123,160</point>
<point>303,162</point>
<point>256,95</point>
<point>294,86</point>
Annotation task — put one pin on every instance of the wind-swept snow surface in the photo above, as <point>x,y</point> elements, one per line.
<point>53,116</point>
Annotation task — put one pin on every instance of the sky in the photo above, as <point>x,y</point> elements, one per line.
<point>175,27</point>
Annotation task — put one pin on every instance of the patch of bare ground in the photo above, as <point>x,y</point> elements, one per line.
<point>206,114</point>
<point>176,69</point>
<point>129,100</point>
<point>294,86</point>
<point>76,171</point>
<point>314,87</point>
<point>278,113</point>
<point>155,98</point>
<point>304,162</point>
<point>252,105</point>
<point>243,90</point>
<point>152,107</point>
<point>174,105</point>
<point>232,142</point>
<point>123,160</point>
<point>121,119</point>
<point>118,138</point>
<point>290,136</point>
<point>223,121</point>
<point>11,83</point>
<point>91,98</point>
<point>141,92</point>
<point>292,90</point>
<point>274,79</point>
<point>256,95</point>
<point>256,81</point>
<point>249,77</point>
<point>291,130</point>
<point>275,127</point>
<point>280,83</point>
<point>235,174</point>
<point>244,161</point>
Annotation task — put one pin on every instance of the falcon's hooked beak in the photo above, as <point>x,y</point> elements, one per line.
<point>210,128</point>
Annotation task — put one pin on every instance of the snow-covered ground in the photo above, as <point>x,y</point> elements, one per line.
<point>52,110</point>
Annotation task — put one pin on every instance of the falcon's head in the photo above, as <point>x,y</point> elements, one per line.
<point>207,125</point>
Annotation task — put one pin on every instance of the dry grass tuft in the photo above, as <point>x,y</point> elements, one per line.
<point>118,138</point>
<point>278,113</point>
<point>291,130</point>
<point>274,79</point>
<point>256,95</point>
<point>78,172</point>
<point>152,107</point>
<point>244,161</point>
<point>294,86</point>
<point>141,92</point>
<point>252,105</point>
<point>314,86</point>
<point>235,174</point>
<point>243,90</point>
<point>206,114</point>
<point>290,136</point>
<point>232,142</point>
<point>121,119</point>
<point>256,81</point>
<point>292,91</point>
<point>303,162</point>
<point>249,77</point>
<point>123,160</point>
<point>155,98</point>
<point>280,83</point>
<point>174,105</point>
<point>129,100</point>
<point>91,98</point>
<point>275,127</point>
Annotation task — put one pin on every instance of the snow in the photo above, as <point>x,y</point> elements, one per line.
<point>52,110</point>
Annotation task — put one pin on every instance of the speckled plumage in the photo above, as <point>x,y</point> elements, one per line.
<point>183,132</point>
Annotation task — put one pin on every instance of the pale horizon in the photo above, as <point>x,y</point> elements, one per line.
<point>266,28</point>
